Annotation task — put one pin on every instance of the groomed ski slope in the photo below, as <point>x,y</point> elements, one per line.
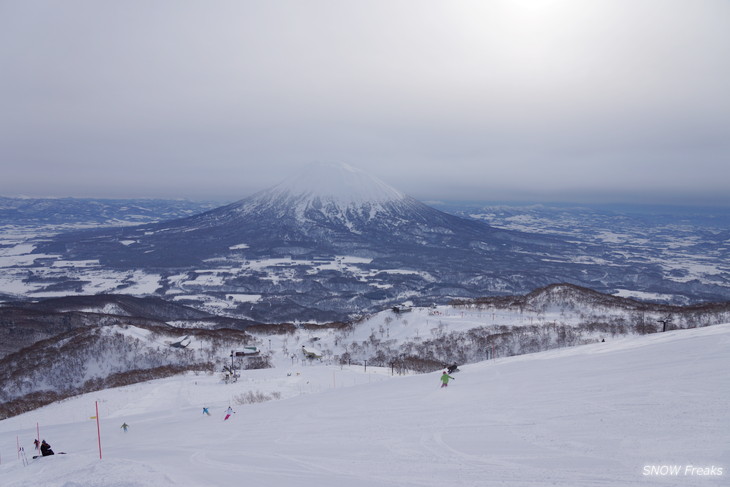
<point>595,415</point>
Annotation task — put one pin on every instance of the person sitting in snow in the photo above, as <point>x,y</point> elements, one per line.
<point>445,379</point>
<point>46,449</point>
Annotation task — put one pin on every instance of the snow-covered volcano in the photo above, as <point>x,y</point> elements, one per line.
<point>326,209</point>
<point>329,243</point>
<point>329,195</point>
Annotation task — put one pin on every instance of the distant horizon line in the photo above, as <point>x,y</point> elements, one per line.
<point>430,202</point>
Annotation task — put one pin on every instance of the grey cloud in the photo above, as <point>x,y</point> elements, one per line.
<point>565,99</point>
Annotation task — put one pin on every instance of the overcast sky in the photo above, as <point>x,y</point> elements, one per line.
<point>575,100</point>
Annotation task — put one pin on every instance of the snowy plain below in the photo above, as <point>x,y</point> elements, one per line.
<point>604,414</point>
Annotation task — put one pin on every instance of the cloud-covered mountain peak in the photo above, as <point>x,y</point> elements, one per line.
<point>336,183</point>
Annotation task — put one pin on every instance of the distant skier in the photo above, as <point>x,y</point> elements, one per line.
<point>453,368</point>
<point>445,379</point>
<point>46,449</point>
<point>125,427</point>
<point>229,411</point>
<point>205,411</point>
<point>37,444</point>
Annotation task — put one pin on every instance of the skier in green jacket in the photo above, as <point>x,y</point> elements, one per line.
<point>445,379</point>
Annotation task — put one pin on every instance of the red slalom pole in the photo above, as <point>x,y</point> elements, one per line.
<point>98,428</point>
<point>38,437</point>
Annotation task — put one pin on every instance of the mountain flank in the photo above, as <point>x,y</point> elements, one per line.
<point>71,351</point>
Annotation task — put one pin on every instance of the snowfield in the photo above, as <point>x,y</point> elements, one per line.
<point>649,410</point>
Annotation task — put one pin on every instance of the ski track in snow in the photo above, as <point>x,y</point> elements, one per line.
<point>593,415</point>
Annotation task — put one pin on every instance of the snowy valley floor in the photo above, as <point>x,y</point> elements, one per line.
<point>596,415</point>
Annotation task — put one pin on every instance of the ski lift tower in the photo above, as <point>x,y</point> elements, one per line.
<point>664,323</point>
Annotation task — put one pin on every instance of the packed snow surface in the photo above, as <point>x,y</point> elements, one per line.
<point>617,413</point>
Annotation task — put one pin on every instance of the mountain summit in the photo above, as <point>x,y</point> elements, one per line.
<point>335,183</point>
<point>327,195</point>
